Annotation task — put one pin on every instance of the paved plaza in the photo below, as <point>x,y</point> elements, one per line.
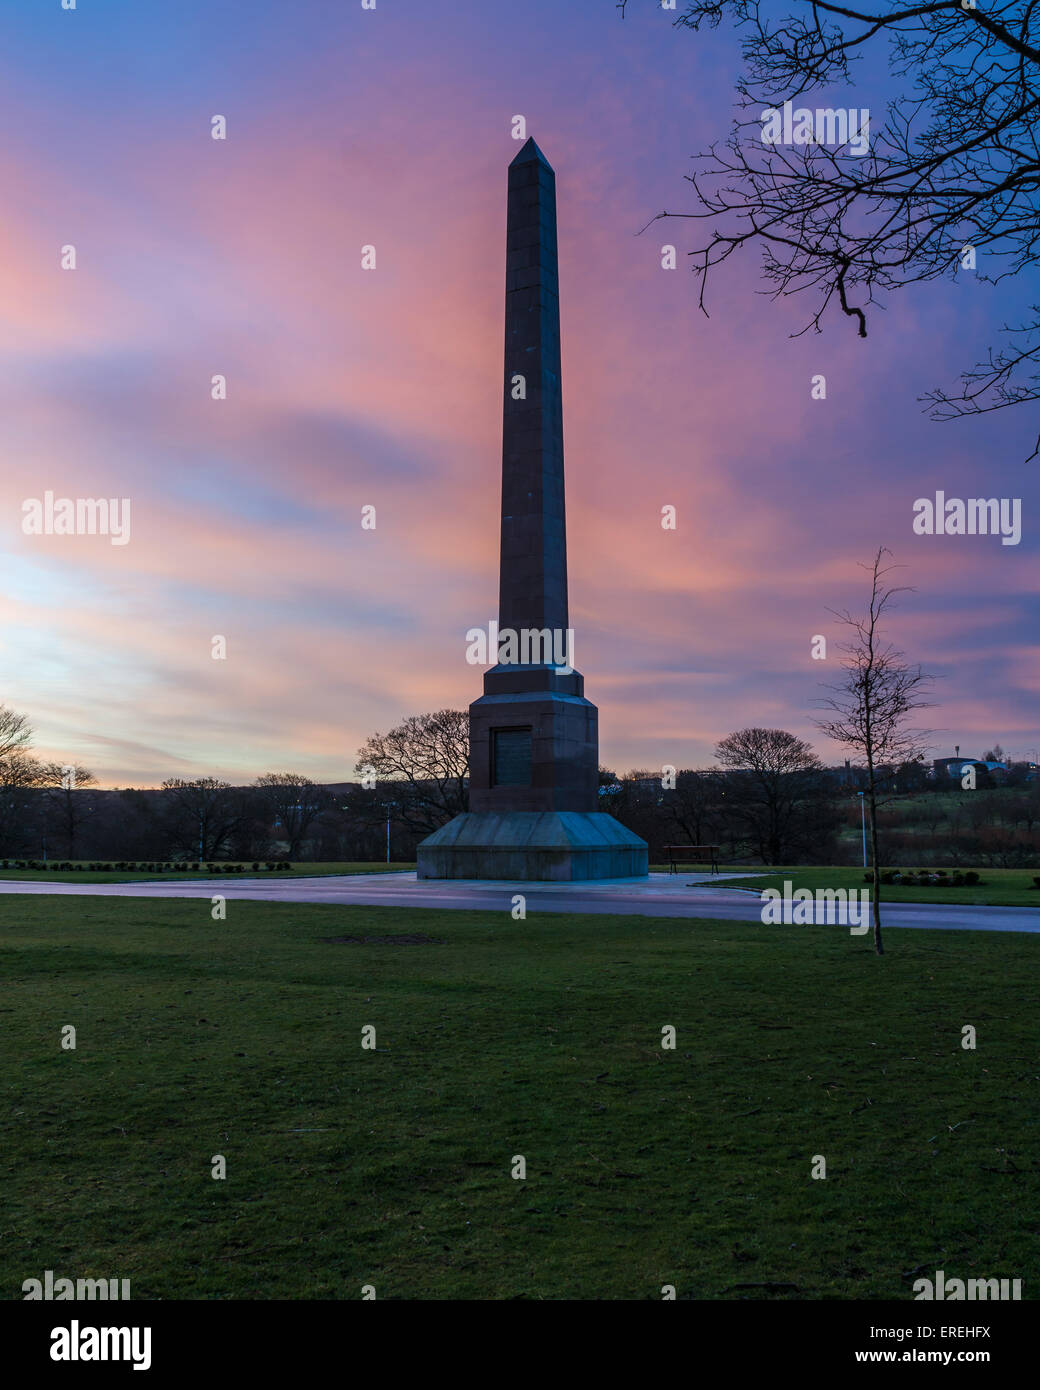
<point>659,895</point>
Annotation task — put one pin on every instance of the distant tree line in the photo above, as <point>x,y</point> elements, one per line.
<point>199,819</point>
<point>57,811</point>
<point>767,799</point>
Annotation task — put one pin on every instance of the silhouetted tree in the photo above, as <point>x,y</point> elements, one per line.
<point>199,817</point>
<point>20,773</point>
<point>68,800</point>
<point>293,802</point>
<point>421,768</point>
<point>20,776</point>
<point>770,777</point>
<point>697,805</point>
<point>949,182</point>
<point>15,732</point>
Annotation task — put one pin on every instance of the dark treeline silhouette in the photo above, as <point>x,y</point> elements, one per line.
<point>812,817</point>
<point>920,826</point>
<point>767,800</point>
<point>794,819</point>
<point>203,819</point>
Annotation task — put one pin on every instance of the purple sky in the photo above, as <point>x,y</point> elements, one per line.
<point>349,388</point>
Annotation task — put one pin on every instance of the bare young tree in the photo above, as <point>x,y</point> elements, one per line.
<point>950,180</point>
<point>421,768</point>
<point>870,708</point>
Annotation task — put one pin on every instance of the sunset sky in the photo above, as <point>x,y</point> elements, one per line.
<point>351,388</point>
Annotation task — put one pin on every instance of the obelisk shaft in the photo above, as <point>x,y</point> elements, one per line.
<point>533,573</point>
<point>534,805</point>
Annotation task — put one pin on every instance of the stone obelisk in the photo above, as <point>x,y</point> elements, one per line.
<point>534,742</point>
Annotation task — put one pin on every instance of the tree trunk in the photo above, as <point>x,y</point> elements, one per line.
<point>70,824</point>
<point>876,893</point>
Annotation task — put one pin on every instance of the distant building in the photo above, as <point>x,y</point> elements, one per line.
<point>955,768</point>
<point>847,778</point>
<point>950,767</point>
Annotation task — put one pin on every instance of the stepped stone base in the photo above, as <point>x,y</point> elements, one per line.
<point>546,846</point>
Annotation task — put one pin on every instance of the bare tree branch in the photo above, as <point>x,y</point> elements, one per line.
<point>952,173</point>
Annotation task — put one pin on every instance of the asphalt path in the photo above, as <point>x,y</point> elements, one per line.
<point>661,895</point>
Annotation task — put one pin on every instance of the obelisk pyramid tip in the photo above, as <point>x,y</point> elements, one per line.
<point>530,154</point>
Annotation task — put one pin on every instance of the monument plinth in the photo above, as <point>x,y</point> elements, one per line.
<point>534,739</point>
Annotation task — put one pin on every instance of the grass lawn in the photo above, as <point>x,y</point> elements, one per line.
<point>497,1038</point>
<point>1001,887</point>
<point>177,875</point>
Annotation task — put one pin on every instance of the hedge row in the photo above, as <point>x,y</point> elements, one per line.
<point>182,866</point>
<point>928,878</point>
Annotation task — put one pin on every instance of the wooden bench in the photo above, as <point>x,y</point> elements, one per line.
<point>691,854</point>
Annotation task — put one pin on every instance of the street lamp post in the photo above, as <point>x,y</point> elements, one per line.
<point>389,807</point>
<point>863,823</point>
